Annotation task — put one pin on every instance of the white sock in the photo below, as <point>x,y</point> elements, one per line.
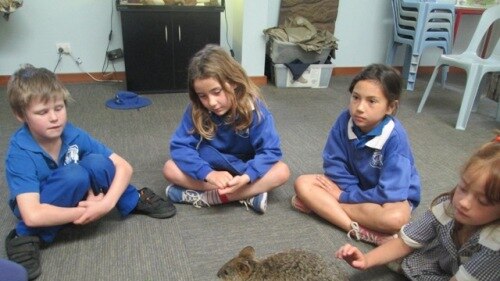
<point>212,197</point>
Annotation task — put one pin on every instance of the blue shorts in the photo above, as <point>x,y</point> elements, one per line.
<point>69,184</point>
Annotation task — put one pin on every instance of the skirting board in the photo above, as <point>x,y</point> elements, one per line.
<point>70,78</point>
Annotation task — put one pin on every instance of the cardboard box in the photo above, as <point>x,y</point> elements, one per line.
<point>316,76</point>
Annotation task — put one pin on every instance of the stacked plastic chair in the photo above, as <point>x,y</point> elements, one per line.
<point>419,25</point>
<point>475,66</point>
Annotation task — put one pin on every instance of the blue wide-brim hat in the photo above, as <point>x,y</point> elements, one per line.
<point>127,100</point>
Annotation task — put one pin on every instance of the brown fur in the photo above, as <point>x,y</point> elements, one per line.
<point>289,265</point>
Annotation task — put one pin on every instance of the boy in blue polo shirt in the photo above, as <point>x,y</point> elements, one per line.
<point>58,174</point>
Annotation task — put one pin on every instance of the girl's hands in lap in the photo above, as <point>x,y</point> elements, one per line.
<point>328,185</point>
<point>219,179</point>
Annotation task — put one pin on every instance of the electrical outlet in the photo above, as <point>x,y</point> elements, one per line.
<point>115,54</point>
<point>63,48</point>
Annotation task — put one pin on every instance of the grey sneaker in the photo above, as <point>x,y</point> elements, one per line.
<point>258,203</point>
<point>181,195</point>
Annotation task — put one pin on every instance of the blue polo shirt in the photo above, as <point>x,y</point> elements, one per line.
<point>27,165</point>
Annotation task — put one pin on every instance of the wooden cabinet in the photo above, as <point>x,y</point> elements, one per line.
<point>158,42</point>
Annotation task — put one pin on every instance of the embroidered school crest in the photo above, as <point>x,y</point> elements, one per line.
<point>377,162</point>
<point>72,155</point>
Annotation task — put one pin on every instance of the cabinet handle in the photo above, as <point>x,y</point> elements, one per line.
<point>180,35</point>
<point>166,34</point>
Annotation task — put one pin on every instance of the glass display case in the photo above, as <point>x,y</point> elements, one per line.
<point>172,4</point>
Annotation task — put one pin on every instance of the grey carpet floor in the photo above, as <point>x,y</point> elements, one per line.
<point>195,243</point>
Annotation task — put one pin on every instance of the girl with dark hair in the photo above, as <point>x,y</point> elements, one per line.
<point>370,183</point>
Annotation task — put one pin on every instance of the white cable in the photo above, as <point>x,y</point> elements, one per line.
<point>78,62</point>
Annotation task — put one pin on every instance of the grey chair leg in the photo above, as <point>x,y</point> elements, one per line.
<point>428,88</point>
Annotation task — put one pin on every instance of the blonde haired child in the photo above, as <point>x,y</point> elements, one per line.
<point>458,238</point>
<point>226,147</point>
<point>59,174</point>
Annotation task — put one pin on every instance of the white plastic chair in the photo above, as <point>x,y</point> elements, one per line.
<point>475,66</point>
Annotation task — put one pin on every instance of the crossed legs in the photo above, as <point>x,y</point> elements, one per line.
<point>275,177</point>
<point>387,218</point>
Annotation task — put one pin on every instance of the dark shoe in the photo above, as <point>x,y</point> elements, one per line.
<point>153,205</point>
<point>24,250</point>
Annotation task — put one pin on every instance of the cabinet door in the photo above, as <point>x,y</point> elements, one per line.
<point>193,31</point>
<point>148,49</point>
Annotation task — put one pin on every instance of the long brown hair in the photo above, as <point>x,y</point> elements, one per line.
<point>485,162</point>
<point>214,62</point>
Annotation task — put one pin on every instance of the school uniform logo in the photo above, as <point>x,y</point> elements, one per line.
<point>377,162</point>
<point>72,156</point>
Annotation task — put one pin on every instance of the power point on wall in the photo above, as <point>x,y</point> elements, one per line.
<point>63,48</point>
<point>114,54</point>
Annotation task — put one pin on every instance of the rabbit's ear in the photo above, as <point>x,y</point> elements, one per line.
<point>244,268</point>
<point>248,252</point>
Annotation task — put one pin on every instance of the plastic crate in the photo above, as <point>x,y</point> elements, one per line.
<point>285,52</point>
<point>316,76</point>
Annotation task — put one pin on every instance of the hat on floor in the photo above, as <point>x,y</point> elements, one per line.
<point>127,100</point>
